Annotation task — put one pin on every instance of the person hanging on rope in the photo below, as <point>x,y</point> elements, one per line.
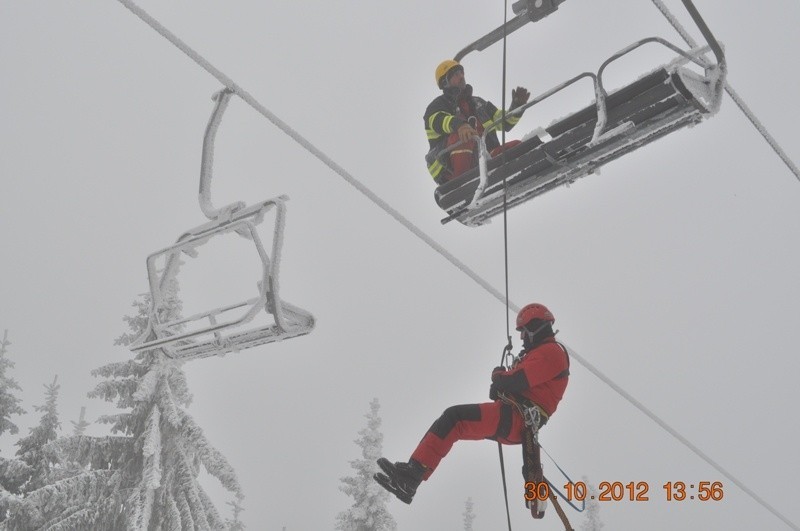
<point>457,117</point>
<point>537,379</point>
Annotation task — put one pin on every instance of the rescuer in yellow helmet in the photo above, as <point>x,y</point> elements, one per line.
<point>456,117</point>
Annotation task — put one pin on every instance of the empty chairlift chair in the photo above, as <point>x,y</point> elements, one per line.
<point>226,328</point>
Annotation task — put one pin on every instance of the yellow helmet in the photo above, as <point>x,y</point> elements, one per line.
<point>443,68</point>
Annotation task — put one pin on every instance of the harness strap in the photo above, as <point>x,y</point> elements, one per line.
<point>565,372</point>
<point>532,470</point>
<point>560,510</point>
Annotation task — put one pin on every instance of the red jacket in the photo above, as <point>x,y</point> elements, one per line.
<point>540,375</point>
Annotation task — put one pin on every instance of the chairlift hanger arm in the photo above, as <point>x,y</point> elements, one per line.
<point>207,161</point>
<point>709,37</point>
<point>526,11</point>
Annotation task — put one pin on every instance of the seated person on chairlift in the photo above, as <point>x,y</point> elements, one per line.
<point>457,117</point>
<point>537,380</point>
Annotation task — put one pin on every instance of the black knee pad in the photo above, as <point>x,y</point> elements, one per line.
<point>454,415</point>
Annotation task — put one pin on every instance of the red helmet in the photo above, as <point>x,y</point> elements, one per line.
<point>531,312</point>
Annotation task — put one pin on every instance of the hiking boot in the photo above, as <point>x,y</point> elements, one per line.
<point>401,479</point>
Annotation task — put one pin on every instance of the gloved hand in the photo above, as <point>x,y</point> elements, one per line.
<point>493,388</point>
<point>493,392</point>
<point>519,97</point>
<point>465,94</point>
<point>498,370</point>
<point>466,132</point>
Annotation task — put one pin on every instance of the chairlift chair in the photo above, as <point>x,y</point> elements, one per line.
<point>223,329</point>
<point>665,100</point>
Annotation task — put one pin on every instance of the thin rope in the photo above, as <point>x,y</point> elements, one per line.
<point>427,239</point>
<point>560,511</point>
<point>505,246</point>
<point>732,93</point>
<point>505,487</point>
<point>505,177</point>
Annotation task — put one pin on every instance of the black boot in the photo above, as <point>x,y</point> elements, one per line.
<point>401,479</point>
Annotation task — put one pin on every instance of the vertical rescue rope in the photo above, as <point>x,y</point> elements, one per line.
<point>508,347</point>
<point>505,187</point>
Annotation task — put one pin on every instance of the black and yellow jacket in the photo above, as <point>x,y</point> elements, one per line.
<point>450,111</point>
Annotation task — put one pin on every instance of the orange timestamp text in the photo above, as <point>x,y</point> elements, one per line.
<point>631,491</point>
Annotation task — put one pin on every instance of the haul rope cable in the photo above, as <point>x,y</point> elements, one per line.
<point>732,93</point>
<point>250,100</point>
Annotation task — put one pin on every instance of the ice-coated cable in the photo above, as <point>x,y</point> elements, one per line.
<point>733,94</point>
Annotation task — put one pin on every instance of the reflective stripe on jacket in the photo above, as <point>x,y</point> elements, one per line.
<point>451,110</point>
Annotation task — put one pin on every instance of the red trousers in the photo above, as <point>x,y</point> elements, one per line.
<point>463,158</point>
<point>492,420</point>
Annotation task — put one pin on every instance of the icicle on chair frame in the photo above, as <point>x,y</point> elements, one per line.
<point>218,338</point>
<point>655,105</point>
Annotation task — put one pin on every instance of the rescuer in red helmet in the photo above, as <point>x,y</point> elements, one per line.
<point>537,379</point>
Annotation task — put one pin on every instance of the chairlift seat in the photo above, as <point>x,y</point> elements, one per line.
<point>651,107</point>
<point>223,329</point>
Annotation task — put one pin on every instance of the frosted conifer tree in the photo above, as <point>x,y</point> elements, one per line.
<point>168,447</point>
<point>369,512</point>
<point>32,469</point>
<point>145,475</point>
<point>32,448</point>
<point>79,427</point>
<point>9,404</point>
<point>13,472</point>
<point>592,521</point>
<point>69,459</point>
<point>235,524</point>
<point>469,515</point>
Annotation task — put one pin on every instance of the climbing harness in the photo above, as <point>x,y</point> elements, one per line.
<point>533,472</point>
<point>222,329</point>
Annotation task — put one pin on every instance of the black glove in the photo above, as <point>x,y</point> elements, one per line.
<point>519,97</point>
<point>493,388</point>
<point>493,392</point>
<point>465,94</point>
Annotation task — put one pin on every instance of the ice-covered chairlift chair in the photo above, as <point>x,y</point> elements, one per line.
<point>223,329</point>
<point>669,98</point>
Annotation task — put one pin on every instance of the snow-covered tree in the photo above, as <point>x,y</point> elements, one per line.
<point>592,521</point>
<point>469,515</point>
<point>79,427</point>
<point>235,524</point>
<point>368,512</point>
<point>168,447</point>
<point>145,475</point>
<point>32,448</point>
<point>13,472</point>
<point>9,404</point>
<point>34,464</point>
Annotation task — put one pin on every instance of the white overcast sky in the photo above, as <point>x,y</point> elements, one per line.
<point>674,271</point>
